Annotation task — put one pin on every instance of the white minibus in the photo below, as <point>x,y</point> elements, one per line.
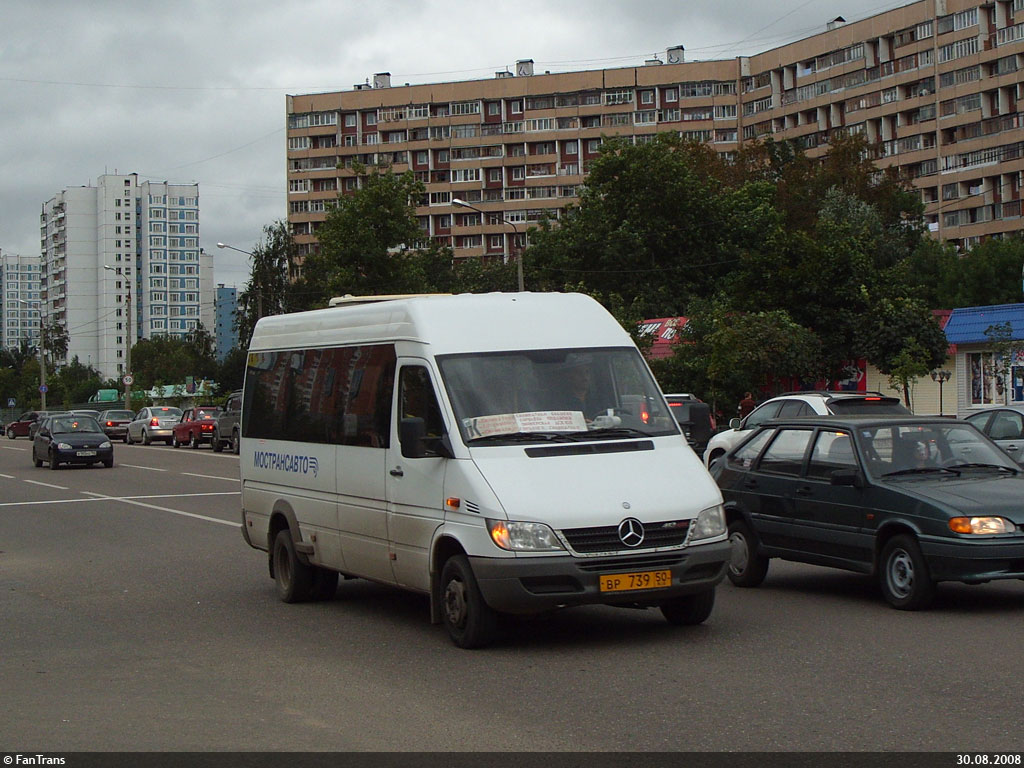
<point>500,453</point>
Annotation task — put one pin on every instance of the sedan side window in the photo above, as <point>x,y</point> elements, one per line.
<point>762,414</point>
<point>832,451</point>
<point>795,408</point>
<point>746,455</point>
<point>1006,425</point>
<point>786,453</point>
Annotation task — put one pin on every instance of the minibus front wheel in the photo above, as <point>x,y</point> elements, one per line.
<point>689,610</point>
<point>470,622</point>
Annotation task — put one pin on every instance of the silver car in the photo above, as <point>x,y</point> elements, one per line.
<point>153,423</point>
<point>1005,427</point>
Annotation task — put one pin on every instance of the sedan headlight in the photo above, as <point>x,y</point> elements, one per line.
<point>981,525</point>
<point>63,447</point>
<point>710,522</point>
<point>105,444</point>
<point>523,537</point>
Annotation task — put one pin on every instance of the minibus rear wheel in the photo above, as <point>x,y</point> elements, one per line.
<point>294,579</point>
<point>470,621</point>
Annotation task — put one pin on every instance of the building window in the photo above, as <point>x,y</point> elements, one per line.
<point>983,377</point>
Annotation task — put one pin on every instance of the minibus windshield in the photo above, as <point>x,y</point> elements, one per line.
<point>554,394</point>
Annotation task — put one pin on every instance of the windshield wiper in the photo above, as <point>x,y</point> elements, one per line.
<point>521,437</point>
<point>923,470</point>
<point>980,465</point>
<point>613,432</point>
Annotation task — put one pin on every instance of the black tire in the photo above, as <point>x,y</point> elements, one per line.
<point>127,438</point>
<point>54,464</point>
<point>294,578</point>
<point>236,442</point>
<point>36,460</point>
<point>10,434</point>
<point>325,584</point>
<point>175,443</point>
<point>689,610</point>
<point>215,442</point>
<point>906,582</point>
<point>194,441</point>
<point>747,566</point>
<point>108,463</point>
<point>145,437</point>
<point>470,621</point>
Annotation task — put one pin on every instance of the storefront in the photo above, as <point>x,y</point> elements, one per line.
<point>986,375</point>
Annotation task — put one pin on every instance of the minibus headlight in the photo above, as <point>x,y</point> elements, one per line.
<point>523,537</point>
<point>710,522</point>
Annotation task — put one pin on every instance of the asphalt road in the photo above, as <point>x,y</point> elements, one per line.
<point>133,617</point>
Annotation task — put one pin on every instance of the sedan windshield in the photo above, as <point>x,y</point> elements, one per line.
<point>70,424</point>
<point>554,394</point>
<point>930,448</point>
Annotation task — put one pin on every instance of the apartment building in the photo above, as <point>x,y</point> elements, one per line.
<point>935,84</point>
<point>19,300</point>
<point>123,246</point>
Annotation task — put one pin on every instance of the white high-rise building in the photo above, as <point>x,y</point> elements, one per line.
<point>19,300</point>
<point>118,242</point>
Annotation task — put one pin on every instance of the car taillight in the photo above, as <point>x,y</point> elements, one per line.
<point>154,422</point>
<point>207,427</point>
<point>110,423</point>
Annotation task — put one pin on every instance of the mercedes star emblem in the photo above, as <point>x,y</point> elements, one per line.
<point>631,532</point>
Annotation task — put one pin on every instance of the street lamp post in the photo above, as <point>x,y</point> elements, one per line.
<point>942,377</point>
<point>515,244</point>
<point>259,291</point>
<point>127,378</point>
<point>42,357</point>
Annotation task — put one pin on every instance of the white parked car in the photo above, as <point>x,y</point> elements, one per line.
<point>790,404</point>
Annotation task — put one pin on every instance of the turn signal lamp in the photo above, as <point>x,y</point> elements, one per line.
<point>980,525</point>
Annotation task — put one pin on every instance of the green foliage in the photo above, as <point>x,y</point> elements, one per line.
<point>231,371</point>
<point>74,383</point>
<point>990,273</point>
<point>903,339</point>
<point>168,360</point>
<point>269,290</point>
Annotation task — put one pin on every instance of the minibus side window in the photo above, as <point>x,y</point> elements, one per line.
<point>416,399</point>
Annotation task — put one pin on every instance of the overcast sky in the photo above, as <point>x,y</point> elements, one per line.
<point>195,91</point>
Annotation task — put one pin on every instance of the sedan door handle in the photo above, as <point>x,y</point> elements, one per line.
<point>803,491</point>
<point>1011,448</point>
<point>397,472</point>
<point>750,483</point>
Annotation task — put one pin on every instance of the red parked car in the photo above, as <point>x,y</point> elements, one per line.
<point>196,426</point>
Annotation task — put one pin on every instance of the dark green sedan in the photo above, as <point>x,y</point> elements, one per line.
<point>910,501</point>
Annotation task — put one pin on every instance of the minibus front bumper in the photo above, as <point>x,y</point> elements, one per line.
<point>527,584</point>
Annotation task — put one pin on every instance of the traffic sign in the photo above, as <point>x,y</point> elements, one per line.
<point>43,388</point>
<point>11,402</point>
<point>128,380</point>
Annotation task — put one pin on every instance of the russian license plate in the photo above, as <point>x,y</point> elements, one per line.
<point>626,582</point>
<point>86,453</point>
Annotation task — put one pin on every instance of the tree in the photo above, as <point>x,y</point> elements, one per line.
<point>722,354</point>
<point>904,341</point>
<point>268,291</point>
<point>366,241</point>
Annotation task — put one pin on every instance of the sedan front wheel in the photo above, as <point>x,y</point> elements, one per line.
<point>906,582</point>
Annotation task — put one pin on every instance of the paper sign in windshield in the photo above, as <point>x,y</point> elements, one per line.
<point>534,421</point>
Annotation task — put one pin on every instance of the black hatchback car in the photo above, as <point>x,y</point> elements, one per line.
<point>911,501</point>
<point>68,439</point>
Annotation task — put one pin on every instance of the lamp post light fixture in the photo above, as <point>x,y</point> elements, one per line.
<point>42,356</point>
<point>127,378</point>
<point>942,377</point>
<point>259,293</point>
<point>515,244</point>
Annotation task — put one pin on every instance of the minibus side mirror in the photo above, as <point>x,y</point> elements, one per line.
<point>412,434</point>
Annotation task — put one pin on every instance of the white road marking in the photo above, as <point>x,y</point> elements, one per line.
<point>9,477</point>
<point>47,485</point>
<point>101,497</point>
<point>167,509</point>
<point>211,477</point>
<point>12,448</point>
<point>137,466</point>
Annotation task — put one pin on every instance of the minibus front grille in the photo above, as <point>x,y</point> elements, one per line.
<point>606,538</point>
<point>610,564</point>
